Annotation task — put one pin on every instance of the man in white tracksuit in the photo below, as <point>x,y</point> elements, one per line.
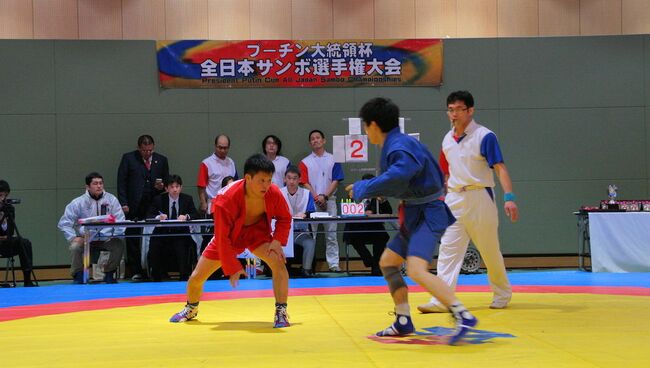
<point>470,153</point>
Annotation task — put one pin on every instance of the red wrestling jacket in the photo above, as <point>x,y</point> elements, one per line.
<point>229,212</point>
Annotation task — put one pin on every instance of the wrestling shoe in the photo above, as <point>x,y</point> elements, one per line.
<point>499,304</point>
<point>464,323</point>
<point>403,326</point>
<point>281,319</point>
<point>432,308</point>
<point>188,313</point>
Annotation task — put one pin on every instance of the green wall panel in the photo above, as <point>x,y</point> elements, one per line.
<point>26,76</point>
<point>264,100</point>
<point>28,151</point>
<point>575,144</point>
<point>571,72</point>
<point>116,77</point>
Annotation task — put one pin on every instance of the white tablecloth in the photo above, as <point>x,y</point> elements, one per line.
<point>620,241</point>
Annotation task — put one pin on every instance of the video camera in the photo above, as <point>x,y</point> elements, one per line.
<point>12,201</point>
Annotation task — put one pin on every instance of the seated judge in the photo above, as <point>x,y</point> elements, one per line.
<point>172,205</point>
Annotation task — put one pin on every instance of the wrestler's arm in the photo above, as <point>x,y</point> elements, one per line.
<point>223,224</point>
<point>402,166</point>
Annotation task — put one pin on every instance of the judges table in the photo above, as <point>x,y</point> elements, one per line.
<point>620,241</point>
<point>93,228</point>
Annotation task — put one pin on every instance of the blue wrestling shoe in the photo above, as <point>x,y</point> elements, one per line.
<point>281,319</point>
<point>403,326</point>
<point>465,321</point>
<point>188,313</point>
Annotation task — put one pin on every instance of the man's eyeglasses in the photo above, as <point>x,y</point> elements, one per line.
<point>457,110</point>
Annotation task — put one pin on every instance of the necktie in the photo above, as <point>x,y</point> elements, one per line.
<point>147,164</point>
<point>174,213</point>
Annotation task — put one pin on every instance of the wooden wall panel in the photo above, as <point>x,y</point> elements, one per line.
<point>559,17</point>
<point>56,19</point>
<point>600,17</point>
<point>517,18</point>
<point>16,19</point>
<point>186,19</point>
<point>353,19</point>
<point>477,18</point>
<point>270,19</point>
<point>635,16</point>
<point>311,19</point>
<point>229,20</point>
<point>435,18</point>
<point>100,19</point>
<point>143,19</point>
<point>394,19</point>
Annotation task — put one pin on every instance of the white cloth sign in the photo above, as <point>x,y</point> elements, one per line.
<point>620,241</point>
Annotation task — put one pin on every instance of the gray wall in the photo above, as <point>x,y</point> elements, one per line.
<point>570,114</point>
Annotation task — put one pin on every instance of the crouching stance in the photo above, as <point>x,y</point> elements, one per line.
<point>242,219</point>
<point>409,173</point>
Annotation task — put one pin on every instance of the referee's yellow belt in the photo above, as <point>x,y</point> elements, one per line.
<point>466,188</point>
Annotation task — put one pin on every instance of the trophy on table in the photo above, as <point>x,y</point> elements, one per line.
<point>612,194</point>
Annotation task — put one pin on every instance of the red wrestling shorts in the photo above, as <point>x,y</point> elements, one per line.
<point>251,237</point>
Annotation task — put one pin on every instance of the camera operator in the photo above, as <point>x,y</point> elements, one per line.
<point>11,245</point>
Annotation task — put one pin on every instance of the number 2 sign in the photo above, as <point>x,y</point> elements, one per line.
<point>356,148</point>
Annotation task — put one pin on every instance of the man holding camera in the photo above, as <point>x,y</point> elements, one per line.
<point>11,245</point>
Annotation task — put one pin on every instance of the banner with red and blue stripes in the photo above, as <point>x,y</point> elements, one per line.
<point>299,63</point>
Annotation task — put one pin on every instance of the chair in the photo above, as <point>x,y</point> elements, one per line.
<point>11,267</point>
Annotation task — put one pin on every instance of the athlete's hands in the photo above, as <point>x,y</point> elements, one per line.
<point>511,210</point>
<point>234,278</point>
<point>275,250</point>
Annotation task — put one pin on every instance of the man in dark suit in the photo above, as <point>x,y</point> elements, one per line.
<point>172,205</point>
<point>139,180</point>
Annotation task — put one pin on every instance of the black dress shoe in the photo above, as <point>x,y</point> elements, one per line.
<point>306,273</point>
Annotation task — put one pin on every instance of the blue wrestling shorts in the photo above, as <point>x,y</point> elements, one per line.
<point>421,227</point>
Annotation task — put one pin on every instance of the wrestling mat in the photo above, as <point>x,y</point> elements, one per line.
<point>556,319</point>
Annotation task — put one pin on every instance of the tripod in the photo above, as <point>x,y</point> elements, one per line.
<point>11,242</point>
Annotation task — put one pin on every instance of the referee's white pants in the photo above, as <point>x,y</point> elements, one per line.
<point>477,219</point>
<point>331,236</point>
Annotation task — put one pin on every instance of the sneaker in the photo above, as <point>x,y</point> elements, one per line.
<point>496,304</point>
<point>281,319</point>
<point>432,308</point>
<point>109,278</point>
<point>188,313</point>
<point>403,326</point>
<point>335,269</point>
<point>464,323</point>
<point>137,277</point>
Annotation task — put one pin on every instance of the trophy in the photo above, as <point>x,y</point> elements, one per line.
<point>612,194</point>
